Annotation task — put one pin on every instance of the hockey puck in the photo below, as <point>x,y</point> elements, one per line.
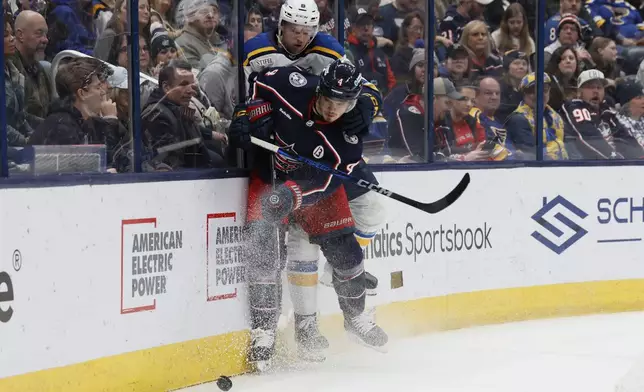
<point>224,383</point>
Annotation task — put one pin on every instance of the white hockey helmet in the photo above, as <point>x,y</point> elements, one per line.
<point>300,13</point>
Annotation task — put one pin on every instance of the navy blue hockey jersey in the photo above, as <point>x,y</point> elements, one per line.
<point>291,92</point>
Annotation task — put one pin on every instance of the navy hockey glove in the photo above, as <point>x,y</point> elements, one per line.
<point>252,119</point>
<point>358,120</point>
<point>278,204</point>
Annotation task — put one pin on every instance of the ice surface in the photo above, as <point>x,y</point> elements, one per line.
<point>580,354</point>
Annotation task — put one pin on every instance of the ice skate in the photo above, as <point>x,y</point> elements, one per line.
<point>363,330</point>
<point>262,349</point>
<point>310,343</point>
<point>371,284</point>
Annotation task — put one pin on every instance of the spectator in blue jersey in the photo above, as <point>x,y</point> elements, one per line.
<point>487,102</point>
<point>516,66</point>
<point>70,27</point>
<point>521,124</point>
<point>476,39</point>
<point>513,34</point>
<point>569,32</point>
<point>371,61</point>
<point>392,16</point>
<point>458,65</point>
<point>572,7</point>
<point>617,19</point>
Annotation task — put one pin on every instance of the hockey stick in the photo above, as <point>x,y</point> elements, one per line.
<point>431,208</point>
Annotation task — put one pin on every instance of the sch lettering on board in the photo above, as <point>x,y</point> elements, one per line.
<point>149,256</point>
<point>225,270</point>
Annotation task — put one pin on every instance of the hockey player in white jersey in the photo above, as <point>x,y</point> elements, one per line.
<point>298,42</point>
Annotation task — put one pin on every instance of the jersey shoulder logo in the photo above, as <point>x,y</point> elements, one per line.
<point>309,123</point>
<point>351,139</point>
<point>318,152</point>
<point>414,110</point>
<point>296,79</point>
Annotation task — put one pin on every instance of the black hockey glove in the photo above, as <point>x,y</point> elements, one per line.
<point>278,204</point>
<point>252,119</point>
<point>359,119</point>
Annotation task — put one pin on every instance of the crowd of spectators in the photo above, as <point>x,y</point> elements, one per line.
<point>484,98</point>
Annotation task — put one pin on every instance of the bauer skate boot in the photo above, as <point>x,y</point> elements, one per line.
<point>262,348</point>
<point>364,330</point>
<point>310,343</point>
<point>371,282</point>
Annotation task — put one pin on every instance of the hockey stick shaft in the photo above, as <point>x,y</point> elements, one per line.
<point>431,208</point>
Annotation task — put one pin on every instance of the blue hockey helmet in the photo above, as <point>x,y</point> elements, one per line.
<point>340,80</point>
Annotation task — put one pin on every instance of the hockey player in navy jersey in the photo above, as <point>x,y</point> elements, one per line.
<point>305,113</point>
<point>298,42</point>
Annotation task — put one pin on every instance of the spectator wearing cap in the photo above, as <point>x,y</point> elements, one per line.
<point>162,50</point>
<point>458,65</point>
<point>572,8</point>
<point>83,114</point>
<point>563,68</point>
<point>587,135</point>
<point>513,34</point>
<point>412,86</point>
<point>516,66</point>
<point>459,136</point>
<point>411,37</point>
<point>371,61</point>
<point>199,36</point>
<point>116,28</point>
<point>521,124</point>
<point>458,16</point>
<point>569,32</point>
<point>628,134</point>
<point>393,14</point>
<point>407,136</point>
<point>476,39</point>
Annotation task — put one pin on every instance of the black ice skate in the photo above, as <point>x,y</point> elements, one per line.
<point>262,348</point>
<point>310,343</point>
<point>363,330</point>
<point>371,284</point>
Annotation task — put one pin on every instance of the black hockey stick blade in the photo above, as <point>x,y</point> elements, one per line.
<point>438,205</point>
<point>431,208</point>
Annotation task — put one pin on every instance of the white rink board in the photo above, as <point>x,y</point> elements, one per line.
<point>68,306</point>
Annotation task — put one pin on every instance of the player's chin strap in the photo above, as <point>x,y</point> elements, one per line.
<point>431,208</point>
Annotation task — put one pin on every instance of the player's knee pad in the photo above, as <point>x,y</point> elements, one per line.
<point>343,252</point>
<point>368,214</point>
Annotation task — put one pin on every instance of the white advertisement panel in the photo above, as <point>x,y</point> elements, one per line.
<point>93,271</point>
<point>511,228</point>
